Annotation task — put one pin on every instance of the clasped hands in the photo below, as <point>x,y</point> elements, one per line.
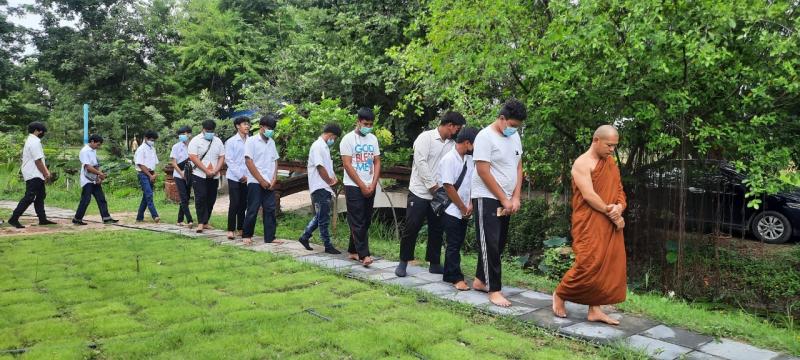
<point>614,212</point>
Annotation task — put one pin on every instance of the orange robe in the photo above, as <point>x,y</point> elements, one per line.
<point>598,276</point>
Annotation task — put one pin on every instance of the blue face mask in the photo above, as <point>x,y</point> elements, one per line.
<point>208,136</point>
<point>508,131</point>
<point>365,130</point>
<point>268,133</point>
<point>330,142</point>
<point>183,137</point>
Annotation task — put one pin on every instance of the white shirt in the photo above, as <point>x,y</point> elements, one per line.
<point>264,155</point>
<point>363,150</point>
<point>450,168</point>
<point>319,155</point>
<point>145,155</point>
<point>198,146</point>
<point>31,152</point>
<point>234,157</point>
<point>179,152</point>
<point>429,148</point>
<point>503,154</point>
<point>88,156</point>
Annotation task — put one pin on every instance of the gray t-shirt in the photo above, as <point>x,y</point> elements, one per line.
<point>503,154</point>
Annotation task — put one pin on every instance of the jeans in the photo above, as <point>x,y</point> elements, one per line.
<point>321,199</point>
<point>87,192</point>
<point>147,198</point>
<point>258,197</point>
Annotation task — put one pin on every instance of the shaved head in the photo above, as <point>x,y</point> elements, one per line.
<point>605,132</point>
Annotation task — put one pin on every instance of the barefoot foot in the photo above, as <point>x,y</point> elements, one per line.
<point>461,286</point>
<point>478,285</point>
<point>558,306</point>
<point>366,261</point>
<point>597,315</point>
<point>498,299</point>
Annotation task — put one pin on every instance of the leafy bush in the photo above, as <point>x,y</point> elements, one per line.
<point>557,258</point>
<point>536,222</point>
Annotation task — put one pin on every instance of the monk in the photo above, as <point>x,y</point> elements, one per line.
<point>598,276</point>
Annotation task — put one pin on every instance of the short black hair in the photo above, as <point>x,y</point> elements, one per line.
<point>150,134</point>
<point>270,120</point>
<point>34,126</point>
<point>514,109</point>
<point>209,125</point>
<point>332,129</point>
<point>184,129</point>
<point>467,134</point>
<point>453,117</point>
<point>95,138</point>
<point>241,119</point>
<point>366,114</point>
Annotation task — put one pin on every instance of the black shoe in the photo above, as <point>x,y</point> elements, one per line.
<point>435,269</point>
<point>332,250</point>
<point>78,222</point>
<point>400,270</point>
<point>110,221</point>
<point>47,222</point>
<point>305,244</point>
<point>15,223</point>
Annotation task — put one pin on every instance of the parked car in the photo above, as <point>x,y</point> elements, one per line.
<point>715,196</point>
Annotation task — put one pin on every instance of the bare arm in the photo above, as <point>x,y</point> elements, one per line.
<point>220,162</point>
<point>42,168</point>
<point>254,171</point>
<point>324,174</point>
<point>174,164</point>
<point>376,177</point>
<point>452,193</point>
<point>92,170</point>
<point>274,180</point>
<point>582,175</point>
<point>484,171</point>
<point>347,163</point>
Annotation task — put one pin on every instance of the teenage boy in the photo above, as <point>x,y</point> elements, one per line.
<point>146,160</point>
<point>237,176</point>
<point>179,158</point>
<point>362,171</point>
<point>321,180</point>
<point>91,182</point>
<point>34,172</point>
<point>207,154</point>
<point>261,159</point>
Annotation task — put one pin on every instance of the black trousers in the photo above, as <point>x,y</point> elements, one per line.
<point>238,204</point>
<point>491,232</point>
<point>418,210</point>
<point>258,197</point>
<point>456,230</point>
<point>183,193</point>
<point>34,194</point>
<point>359,217</point>
<point>87,192</point>
<point>205,195</point>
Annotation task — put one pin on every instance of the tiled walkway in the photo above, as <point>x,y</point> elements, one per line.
<point>658,340</point>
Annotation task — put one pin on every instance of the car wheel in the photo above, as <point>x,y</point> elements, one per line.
<point>771,227</point>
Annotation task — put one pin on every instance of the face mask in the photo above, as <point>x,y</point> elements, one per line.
<point>150,142</point>
<point>268,133</point>
<point>469,152</point>
<point>365,130</point>
<point>208,136</point>
<point>183,137</point>
<point>41,135</point>
<point>329,142</point>
<point>508,131</point>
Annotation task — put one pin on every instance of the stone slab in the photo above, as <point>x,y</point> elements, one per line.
<point>596,332</point>
<point>533,298</point>
<point>516,309</point>
<point>699,355</point>
<point>384,264</point>
<point>656,349</point>
<point>439,289</point>
<point>425,275</point>
<point>408,281</point>
<point>382,276</point>
<point>545,318</point>
<point>734,350</point>
<point>676,336</point>
<point>471,297</point>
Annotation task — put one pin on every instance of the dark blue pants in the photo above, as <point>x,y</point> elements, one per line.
<point>183,193</point>
<point>34,194</point>
<point>205,195</point>
<point>147,197</point>
<point>258,197</point>
<point>87,192</point>
<point>455,230</point>
<point>321,199</point>
<point>359,217</point>
<point>238,204</point>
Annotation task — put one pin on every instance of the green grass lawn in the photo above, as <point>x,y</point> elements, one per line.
<point>138,294</point>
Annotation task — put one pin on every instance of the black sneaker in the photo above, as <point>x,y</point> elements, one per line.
<point>110,221</point>
<point>305,244</point>
<point>47,222</point>
<point>78,222</point>
<point>332,250</point>
<point>15,223</point>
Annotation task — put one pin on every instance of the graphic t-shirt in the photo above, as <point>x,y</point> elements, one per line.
<point>363,150</point>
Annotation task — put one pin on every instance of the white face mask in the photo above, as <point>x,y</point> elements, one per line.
<point>150,142</point>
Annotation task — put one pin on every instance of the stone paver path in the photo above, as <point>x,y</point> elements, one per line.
<point>658,340</point>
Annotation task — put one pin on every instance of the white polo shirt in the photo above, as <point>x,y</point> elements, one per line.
<point>145,155</point>
<point>429,149</point>
<point>264,155</point>
<point>88,156</point>
<point>234,157</point>
<point>450,168</point>
<point>198,146</point>
<point>31,152</point>
<point>179,152</point>
<point>319,155</point>
<point>503,154</point>
<point>362,150</point>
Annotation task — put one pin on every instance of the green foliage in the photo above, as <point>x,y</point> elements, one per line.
<point>537,222</point>
<point>556,261</point>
